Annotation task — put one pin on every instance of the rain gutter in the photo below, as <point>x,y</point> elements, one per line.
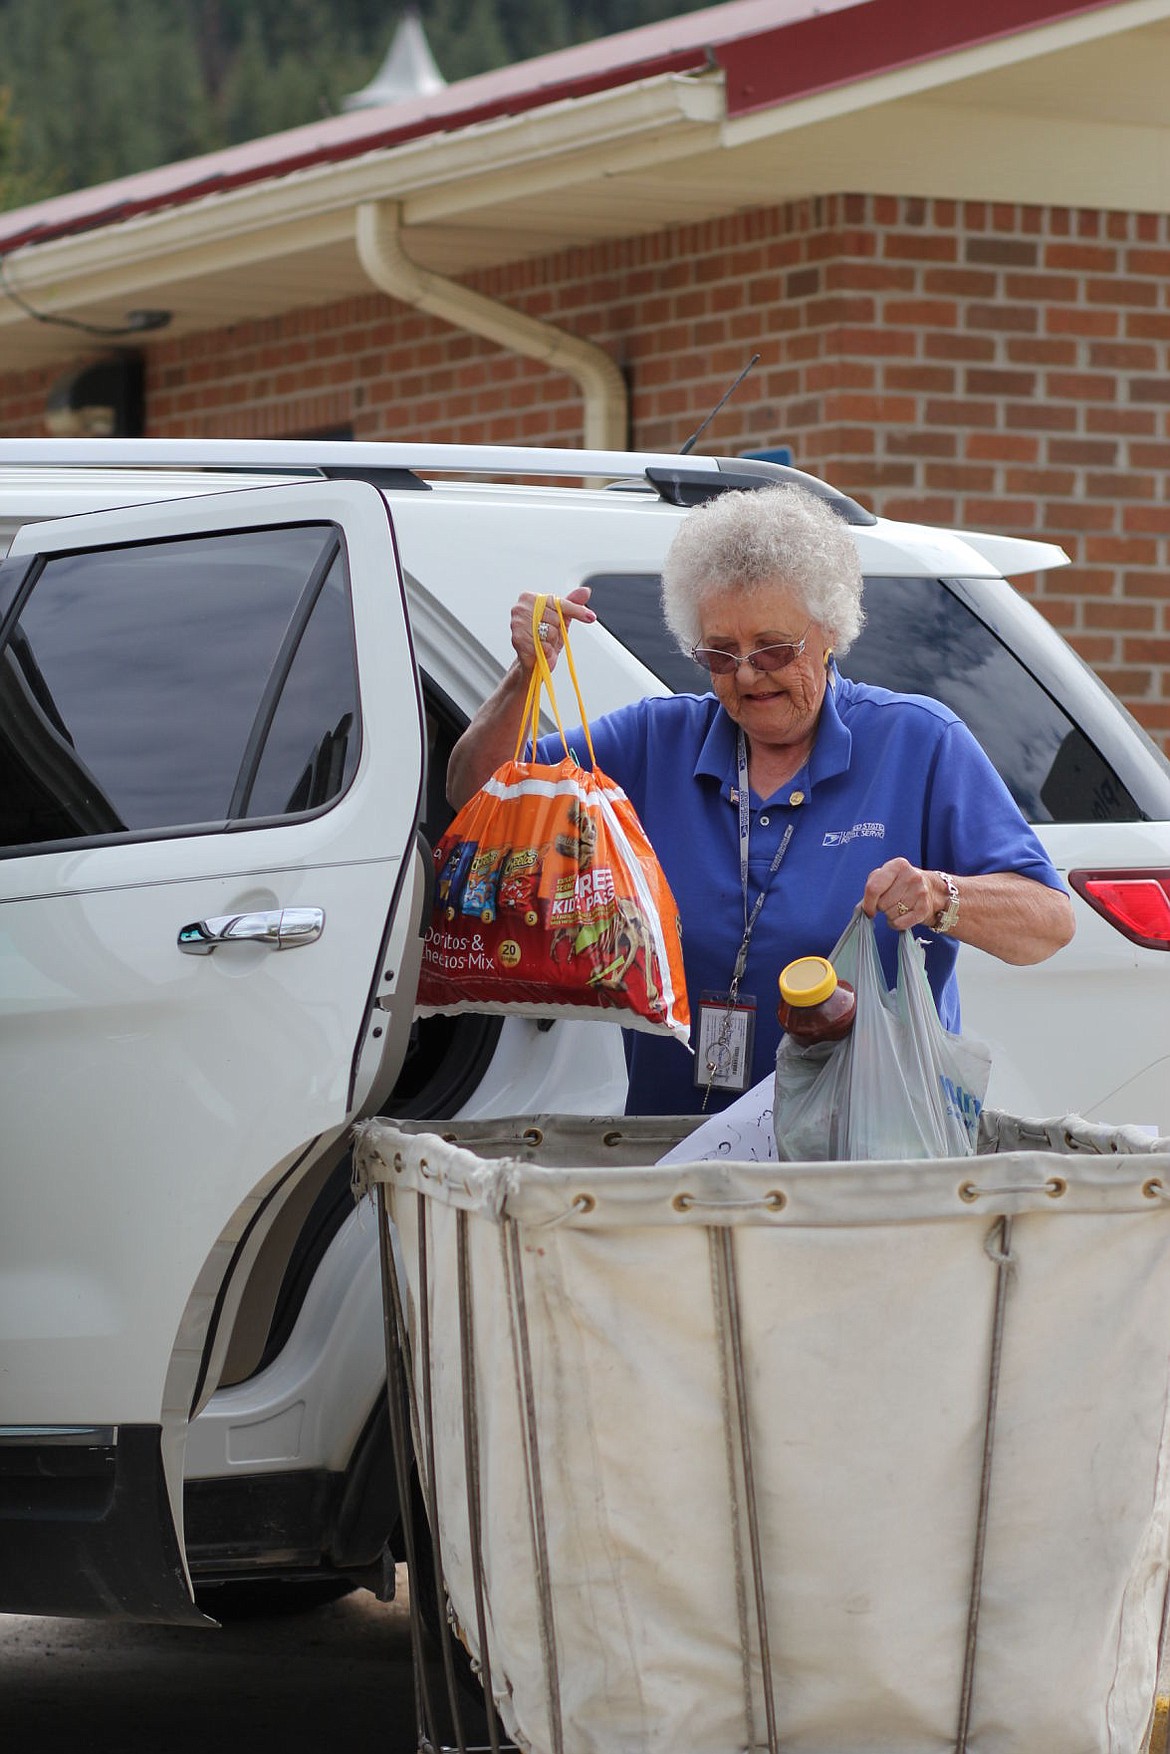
<point>603,389</point>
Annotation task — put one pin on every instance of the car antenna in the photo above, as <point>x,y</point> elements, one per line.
<point>727,394</point>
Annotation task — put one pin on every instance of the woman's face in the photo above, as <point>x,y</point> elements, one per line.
<point>776,708</point>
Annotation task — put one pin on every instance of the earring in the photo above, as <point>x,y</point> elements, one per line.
<point>828,653</point>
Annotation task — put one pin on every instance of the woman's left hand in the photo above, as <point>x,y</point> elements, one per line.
<point>907,896</point>
<point>1017,918</point>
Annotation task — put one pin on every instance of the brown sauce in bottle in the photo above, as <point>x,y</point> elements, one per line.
<point>814,1004</point>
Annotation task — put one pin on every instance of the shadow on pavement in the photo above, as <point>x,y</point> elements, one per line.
<point>339,1676</point>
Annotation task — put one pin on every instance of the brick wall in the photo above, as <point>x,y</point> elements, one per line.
<point>997,367</point>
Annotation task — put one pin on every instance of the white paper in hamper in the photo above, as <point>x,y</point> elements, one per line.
<point>867,1320</point>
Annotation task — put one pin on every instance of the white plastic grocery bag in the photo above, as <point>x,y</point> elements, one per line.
<point>898,1086</point>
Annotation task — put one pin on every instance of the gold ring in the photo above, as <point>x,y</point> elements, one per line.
<point>901,909</point>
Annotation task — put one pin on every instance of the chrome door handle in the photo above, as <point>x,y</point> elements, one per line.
<point>284,928</point>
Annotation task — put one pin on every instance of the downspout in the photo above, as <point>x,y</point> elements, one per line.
<point>380,250</point>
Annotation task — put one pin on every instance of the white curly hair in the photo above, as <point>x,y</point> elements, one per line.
<point>754,541</point>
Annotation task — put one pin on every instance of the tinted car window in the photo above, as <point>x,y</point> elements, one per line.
<point>628,605</point>
<point>130,684</point>
<point>12,575</point>
<point>920,639</point>
<point>311,750</point>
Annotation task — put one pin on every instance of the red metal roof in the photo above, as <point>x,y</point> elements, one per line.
<point>771,51</point>
<point>771,67</point>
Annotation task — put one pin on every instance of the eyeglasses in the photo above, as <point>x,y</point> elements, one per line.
<point>764,658</point>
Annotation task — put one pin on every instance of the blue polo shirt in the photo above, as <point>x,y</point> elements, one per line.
<point>889,775</point>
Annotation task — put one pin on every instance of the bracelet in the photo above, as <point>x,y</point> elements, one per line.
<point>947,916</point>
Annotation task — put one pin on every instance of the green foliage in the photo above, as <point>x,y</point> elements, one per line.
<point>465,36</point>
<point>91,90</point>
<point>100,87</point>
<point>8,137</point>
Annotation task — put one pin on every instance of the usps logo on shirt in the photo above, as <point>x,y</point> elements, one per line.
<point>841,837</point>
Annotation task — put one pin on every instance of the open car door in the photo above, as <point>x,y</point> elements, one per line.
<point>211,762</point>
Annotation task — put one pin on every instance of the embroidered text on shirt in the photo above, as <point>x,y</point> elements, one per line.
<point>859,831</point>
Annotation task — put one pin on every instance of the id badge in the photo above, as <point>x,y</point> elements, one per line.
<point>727,1032</point>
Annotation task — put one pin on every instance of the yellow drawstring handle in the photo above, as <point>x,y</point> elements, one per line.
<point>541,680</point>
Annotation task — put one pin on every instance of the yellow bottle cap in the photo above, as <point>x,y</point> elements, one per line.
<point>810,980</point>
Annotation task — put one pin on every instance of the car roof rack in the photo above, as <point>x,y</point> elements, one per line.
<point>679,484</point>
<point>387,478</point>
<point>681,481</point>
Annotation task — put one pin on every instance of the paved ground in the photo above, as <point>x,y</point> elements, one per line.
<point>338,1678</point>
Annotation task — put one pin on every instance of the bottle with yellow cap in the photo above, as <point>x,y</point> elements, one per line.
<point>814,1004</point>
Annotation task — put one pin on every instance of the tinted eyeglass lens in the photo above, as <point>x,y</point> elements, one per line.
<point>766,658</point>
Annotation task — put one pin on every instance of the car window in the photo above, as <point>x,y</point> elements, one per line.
<point>628,605</point>
<point>132,683</point>
<point>311,750</point>
<point>12,575</point>
<point>920,639</point>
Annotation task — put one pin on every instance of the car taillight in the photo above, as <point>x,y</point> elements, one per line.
<point>1137,903</point>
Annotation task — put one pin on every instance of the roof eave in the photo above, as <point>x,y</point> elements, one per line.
<point>303,149</point>
<point>766,67</point>
<point>434,176</point>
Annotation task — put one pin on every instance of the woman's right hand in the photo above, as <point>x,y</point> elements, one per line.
<point>574,607</point>
<point>490,738</point>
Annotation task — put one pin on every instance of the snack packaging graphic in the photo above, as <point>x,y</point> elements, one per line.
<point>453,874</point>
<point>479,893</point>
<point>520,883</point>
<point>550,901</point>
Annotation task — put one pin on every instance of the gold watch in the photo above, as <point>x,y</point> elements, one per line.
<point>947,916</point>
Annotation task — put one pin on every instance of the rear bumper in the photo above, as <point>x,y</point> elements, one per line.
<point>86,1529</point>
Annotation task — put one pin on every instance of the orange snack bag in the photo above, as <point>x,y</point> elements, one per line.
<point>550,901</point>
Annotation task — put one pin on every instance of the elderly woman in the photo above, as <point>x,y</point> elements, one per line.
<point>790,794</point>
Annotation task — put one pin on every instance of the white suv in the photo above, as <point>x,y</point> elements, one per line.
<point>229,678</point>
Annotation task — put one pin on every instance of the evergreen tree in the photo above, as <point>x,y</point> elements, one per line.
<point>536,27</point>
<point>465,37</point>
<point>16,186</point>
<point>103,87</point>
